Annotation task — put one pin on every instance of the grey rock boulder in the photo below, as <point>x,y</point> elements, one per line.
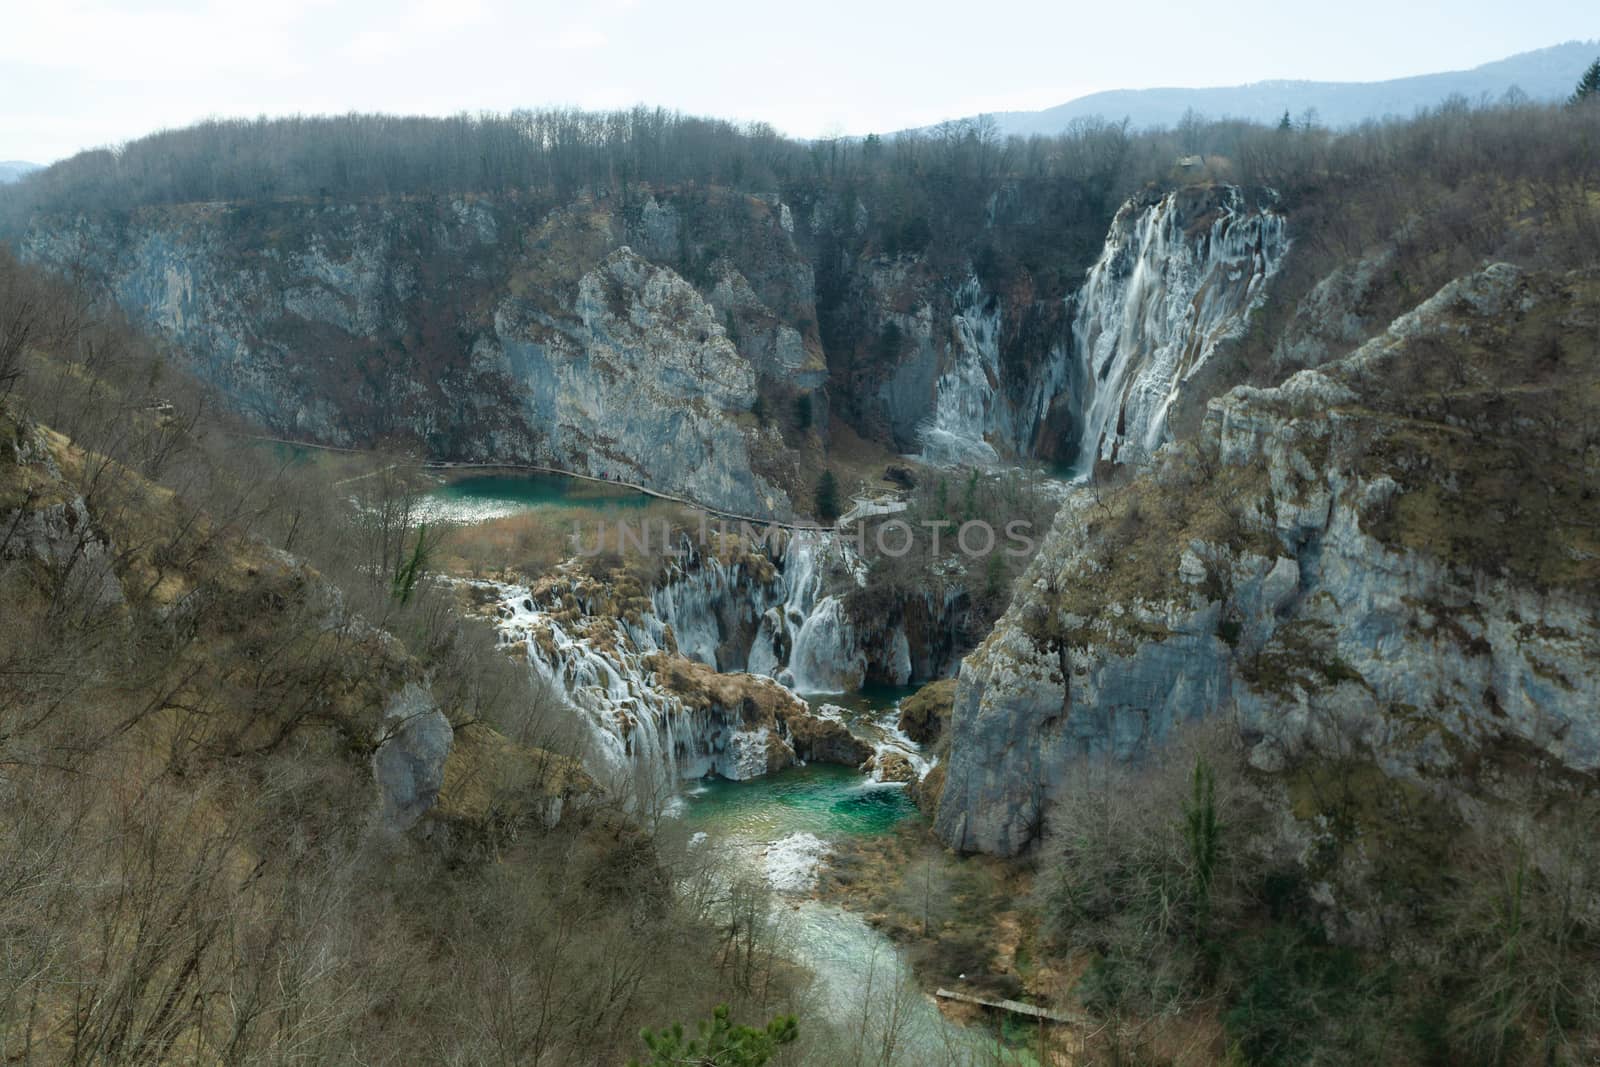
<point>409,763</point>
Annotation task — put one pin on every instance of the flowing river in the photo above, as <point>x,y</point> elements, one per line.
<point>780,826</point>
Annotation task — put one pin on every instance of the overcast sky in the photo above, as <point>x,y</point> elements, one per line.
<point>81,73</point>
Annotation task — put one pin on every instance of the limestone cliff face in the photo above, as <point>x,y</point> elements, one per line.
<point>1396,551</point>
<point>639,380</point>
<point>482,331</point>
<point>634,333</point>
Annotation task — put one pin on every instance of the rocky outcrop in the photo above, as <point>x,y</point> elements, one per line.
<point>1337,314</point>
<point>482,330</point>
<point>776,349</point>
<point>925,713</point>
<point>640,382</point>
<point>409,762</point>
<point>1376,554</point>
<point>742,254</point>
<point>49,525</point>
<point>891,767</point>
<point>821,736</point>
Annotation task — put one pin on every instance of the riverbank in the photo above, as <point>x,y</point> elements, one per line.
<point>955,917</point>
<point>782,829</point>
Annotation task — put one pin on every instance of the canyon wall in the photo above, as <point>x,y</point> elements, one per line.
<point>475,329</point>
<point>673,339</point>
<point>1394,553</point>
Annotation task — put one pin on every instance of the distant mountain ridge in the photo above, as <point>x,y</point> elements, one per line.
<point>1544,74</point>
<point>12,169</point>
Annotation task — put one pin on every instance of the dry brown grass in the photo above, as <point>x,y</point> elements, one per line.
<point>527,546</point>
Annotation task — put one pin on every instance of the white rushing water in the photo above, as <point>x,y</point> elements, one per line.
<point>806,641</point>
<point>727,616</point>
<point>706,602</point>
<point>791,864</point>
<point>598,664</point>
<point>1173,280</point>
<point>973,405</point>
<point>1154,307</point>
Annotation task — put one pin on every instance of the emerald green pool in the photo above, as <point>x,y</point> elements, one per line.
<point>828,801</point>
<point>871,699</point>
<point>481,497</point>
<point>862,985</point>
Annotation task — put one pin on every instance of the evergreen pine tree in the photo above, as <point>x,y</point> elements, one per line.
<point>827,500</point>
<point>1589,85</point>
<point>1286,123</point>
<point>721,1042</point>
<point>413,567</point>
<point>1201,831</point>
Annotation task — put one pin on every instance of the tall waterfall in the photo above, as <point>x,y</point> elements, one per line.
<point>973,408</point>
<point>1175,278</point>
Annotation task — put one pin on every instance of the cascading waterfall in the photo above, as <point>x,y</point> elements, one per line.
<point>710,605</point>
<point>1156,304</point>
<point>642,731</point>
<point>972,408</point>
<point>825,657</point>
<point>638,728</point>
<point>806,641</point>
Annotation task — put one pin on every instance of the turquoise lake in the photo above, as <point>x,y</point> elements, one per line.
<point>482,497</point>
<point>828,801</point>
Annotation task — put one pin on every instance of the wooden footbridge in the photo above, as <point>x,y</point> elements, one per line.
<point>1016,1007</point>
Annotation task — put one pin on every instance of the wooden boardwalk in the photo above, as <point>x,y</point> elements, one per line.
<point>1016,1007</point>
